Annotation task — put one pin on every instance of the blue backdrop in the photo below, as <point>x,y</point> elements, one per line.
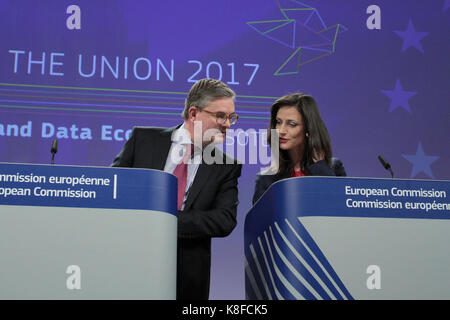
<point>87,73</point>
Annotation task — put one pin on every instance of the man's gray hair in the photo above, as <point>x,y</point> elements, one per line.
<point>203,92</point>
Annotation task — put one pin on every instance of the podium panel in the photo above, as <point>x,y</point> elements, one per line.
<point>349,238</point>
<point>87,233</point>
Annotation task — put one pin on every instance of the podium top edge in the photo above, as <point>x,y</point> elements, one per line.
<point>73,166</point>
<point>365,178</point>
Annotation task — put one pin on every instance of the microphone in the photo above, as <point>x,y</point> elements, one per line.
<point>54,149</point>
<point>386,165</point>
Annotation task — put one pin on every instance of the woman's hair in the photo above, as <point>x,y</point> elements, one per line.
<point>317,138</point>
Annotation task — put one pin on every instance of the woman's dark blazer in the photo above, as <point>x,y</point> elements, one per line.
<point>320,168</point>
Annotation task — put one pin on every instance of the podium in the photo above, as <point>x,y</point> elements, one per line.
<point>349,238</point>
<point>71,232</point>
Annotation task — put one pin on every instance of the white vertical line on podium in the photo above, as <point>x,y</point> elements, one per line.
<point>115,187</point>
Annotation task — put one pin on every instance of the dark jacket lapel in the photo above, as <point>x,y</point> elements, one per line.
<point>163,146</point>
<point>203,174</point>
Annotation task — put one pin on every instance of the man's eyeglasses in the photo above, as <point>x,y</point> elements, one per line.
<point>222,117</point>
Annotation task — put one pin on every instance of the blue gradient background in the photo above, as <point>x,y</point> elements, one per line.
<point>348,84</point>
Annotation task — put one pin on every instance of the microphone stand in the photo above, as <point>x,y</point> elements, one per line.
<point>54,150</point>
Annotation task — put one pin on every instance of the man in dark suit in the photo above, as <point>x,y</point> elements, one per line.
<point>207,178</point>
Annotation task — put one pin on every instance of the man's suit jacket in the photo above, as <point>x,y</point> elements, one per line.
<point>210,208</point>
<point>320,168</point>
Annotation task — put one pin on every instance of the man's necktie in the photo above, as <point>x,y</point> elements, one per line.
<point>181,173</point>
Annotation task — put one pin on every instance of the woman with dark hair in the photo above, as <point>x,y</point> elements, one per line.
<point>304,143</point>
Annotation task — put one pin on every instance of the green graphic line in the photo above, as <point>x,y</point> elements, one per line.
<point>285,73</point>
<point>288,59</point>
<point>335,36</point>
<point>323,30</point>
<point>264,21</point>
<point>113,100</point>
<point>299,9</point>
<point>299,64</point>
<point>316,58</point>
<point>117,90</point>
<point>93,99</point>
<point>111,111</point>
<point>87,110</point>
<point>278,27</point>
<point>85,88</point>
<point>110,100</point>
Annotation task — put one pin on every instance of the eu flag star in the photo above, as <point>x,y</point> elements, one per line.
<point>411,38</point>
<point>421,162</point>
<point>399,97</point>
